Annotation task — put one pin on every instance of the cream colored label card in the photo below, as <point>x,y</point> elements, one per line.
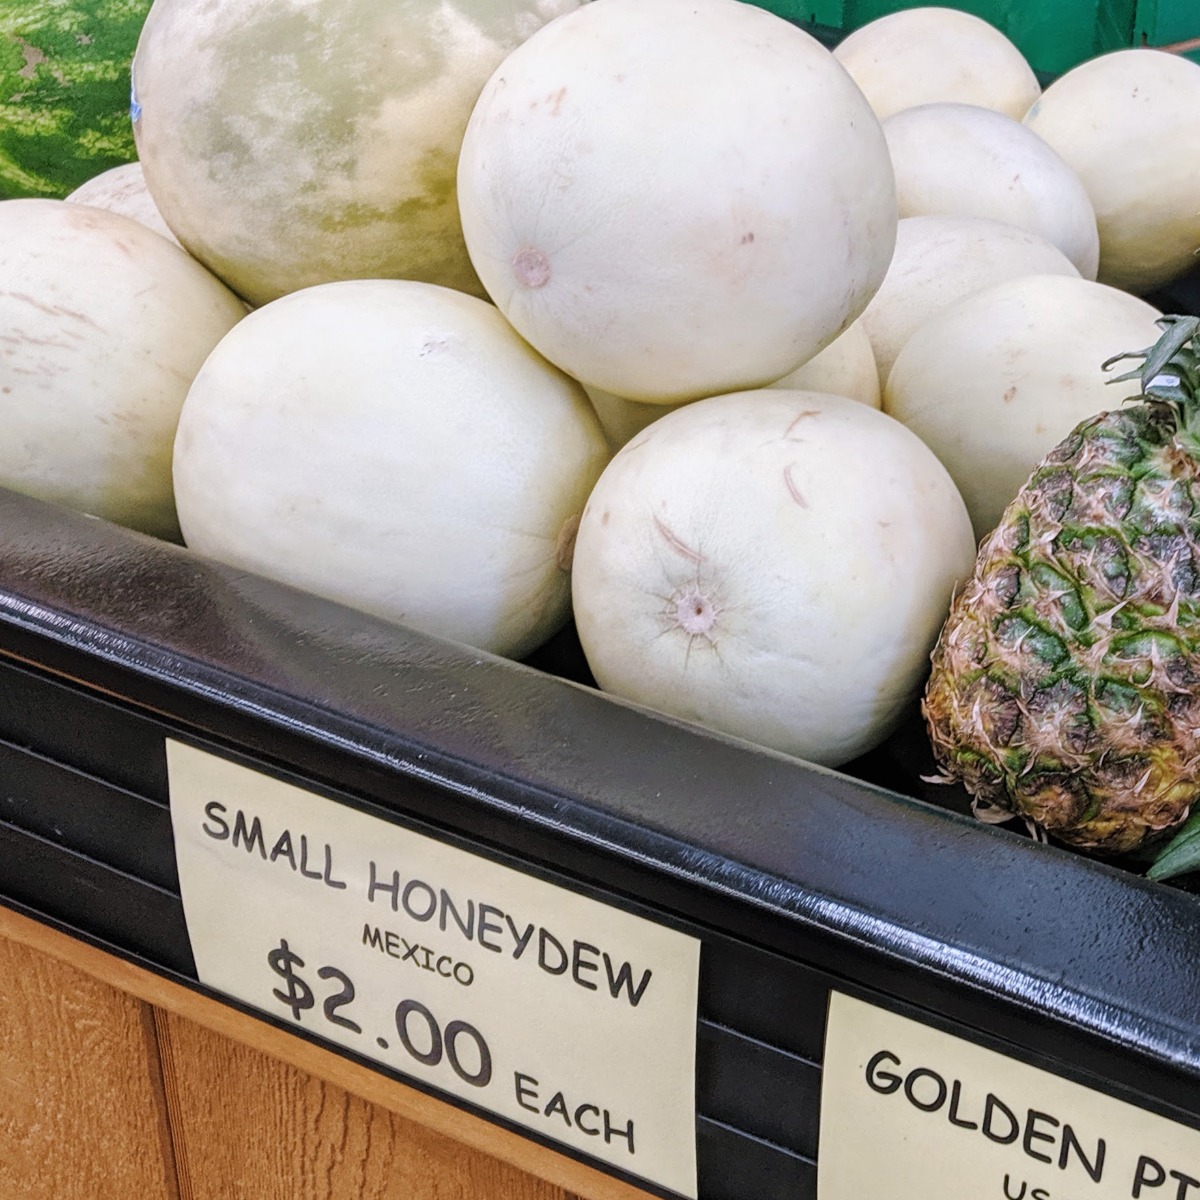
<point>909,1112</point>
<point>567,1016</point>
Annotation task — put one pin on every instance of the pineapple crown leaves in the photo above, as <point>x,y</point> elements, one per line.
<point>1181,855</point>
<point>1170,369</point>
<point>1170,374</point>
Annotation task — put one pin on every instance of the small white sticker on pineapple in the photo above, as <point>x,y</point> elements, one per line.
<point>910,1112</point>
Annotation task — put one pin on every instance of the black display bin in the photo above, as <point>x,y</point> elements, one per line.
<point>797,880</point>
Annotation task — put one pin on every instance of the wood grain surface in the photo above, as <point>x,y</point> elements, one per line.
<point>254,1112</point>
<point>82,1113</point>
<point>249,1127</point>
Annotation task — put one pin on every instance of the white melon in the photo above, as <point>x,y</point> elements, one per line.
<point>995,381</point>
<point>677,198</point>
<point>103,325</point>
<point>846,367</point>
<point>1128,124</point>
<point>294,142</point>
<point>774,565</point>
<point>929,54</point>
<point>395,446</point>
<point>961,160</point>
<point>939,260</point>
<point>123,190</point>
<point>620,418</point>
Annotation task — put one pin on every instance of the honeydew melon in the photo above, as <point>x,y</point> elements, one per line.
<point>927,54</point>
<point>774,565</point>
<point>1128,124</point>
<point>122,189</point>
<point>395,446</point>
<point>939,260</point>
<point>846,367</point>
<point>104,324</point>
<point>293,142</point>
<point>995,381</point>
<point>620,418</point>
<point>967,161</point>
<point>677,198</point>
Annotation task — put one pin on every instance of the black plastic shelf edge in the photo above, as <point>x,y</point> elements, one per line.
<point>810,865</point>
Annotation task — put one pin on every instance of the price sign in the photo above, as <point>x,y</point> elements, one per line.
<point>564,1015</point>
<point>911,1112</point>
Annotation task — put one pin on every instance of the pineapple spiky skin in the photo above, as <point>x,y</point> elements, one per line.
<point>1065,685</point>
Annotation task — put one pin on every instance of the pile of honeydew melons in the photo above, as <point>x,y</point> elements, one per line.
<point>658,313</point>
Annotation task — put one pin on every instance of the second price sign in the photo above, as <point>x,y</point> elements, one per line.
<point>564,1015</point>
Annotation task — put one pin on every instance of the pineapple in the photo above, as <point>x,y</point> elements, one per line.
<point>1065,686</point>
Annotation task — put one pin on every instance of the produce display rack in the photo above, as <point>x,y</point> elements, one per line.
<point>795,879</point>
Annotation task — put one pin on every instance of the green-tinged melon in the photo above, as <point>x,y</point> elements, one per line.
<point>64,92</point>
<point>295,142</point>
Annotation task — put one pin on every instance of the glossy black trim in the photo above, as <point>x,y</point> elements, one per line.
<point>796,879</point>
<point>813,865</point>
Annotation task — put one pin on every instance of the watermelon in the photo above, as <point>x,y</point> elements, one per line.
<point>64,92</point>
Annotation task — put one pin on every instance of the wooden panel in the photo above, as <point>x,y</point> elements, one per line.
<point>461,1129</point>
<point>250,1127</point>
<point>82,1115</point>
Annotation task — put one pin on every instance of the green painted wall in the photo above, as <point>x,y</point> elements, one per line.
<point>1163,22</point>
<point>1054,35</point>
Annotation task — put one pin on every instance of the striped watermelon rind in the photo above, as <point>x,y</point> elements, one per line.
<point>64,92</point>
